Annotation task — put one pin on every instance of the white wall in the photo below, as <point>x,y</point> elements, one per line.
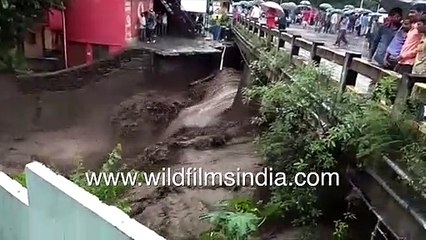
<point>52,208</point>
<point>198,6</point>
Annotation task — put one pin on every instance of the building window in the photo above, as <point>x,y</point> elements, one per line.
<point>31,38</point>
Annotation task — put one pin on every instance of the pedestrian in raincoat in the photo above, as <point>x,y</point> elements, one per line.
<point>271,14</point>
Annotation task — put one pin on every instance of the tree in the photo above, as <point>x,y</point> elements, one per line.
<point>16,16</point>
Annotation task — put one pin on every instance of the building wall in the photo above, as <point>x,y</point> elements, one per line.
<point>76,53</point>
<point>33,44</point>
<point>53,208</point>
<point>96,21</point>
<point>136,7</point>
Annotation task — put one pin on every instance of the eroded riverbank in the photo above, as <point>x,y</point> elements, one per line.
<point>160,119</point>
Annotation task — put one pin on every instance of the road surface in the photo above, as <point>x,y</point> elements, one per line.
<point>356,44</point>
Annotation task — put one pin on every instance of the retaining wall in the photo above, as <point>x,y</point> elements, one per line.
<point>52,208</point>
<point>75,77</point>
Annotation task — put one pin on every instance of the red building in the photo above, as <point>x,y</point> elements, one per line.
<point>92,28</point>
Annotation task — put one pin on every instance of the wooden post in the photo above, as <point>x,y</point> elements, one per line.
<point>261,32</point>
<point>281,41</point>
<point>348,76</point>
<point>314,57</point>
<point>256,28</point>
<point>403,91</point>
<point>269,37</point>
<point>294,49</point>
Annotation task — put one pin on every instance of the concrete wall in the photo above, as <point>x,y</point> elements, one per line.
<point>53,208</point>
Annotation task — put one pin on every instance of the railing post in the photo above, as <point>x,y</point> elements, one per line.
<point>256,28</point>
<point>348,76</point>
<point>250,26</point>
<point>294,49</point>
<point>261,32</point>
<point>314,57</point>
<point>269,37</point>
<point>281,41</point>
<point>402,94</point>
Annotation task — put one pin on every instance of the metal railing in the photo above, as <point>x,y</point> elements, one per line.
<point>352,65</point>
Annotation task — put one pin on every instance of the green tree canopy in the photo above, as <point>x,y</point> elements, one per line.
<point>16,16</point>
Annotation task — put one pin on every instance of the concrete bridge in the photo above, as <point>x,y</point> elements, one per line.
<point>399,211</point>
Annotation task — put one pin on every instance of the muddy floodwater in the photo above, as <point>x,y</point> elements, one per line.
<point>162,118</point>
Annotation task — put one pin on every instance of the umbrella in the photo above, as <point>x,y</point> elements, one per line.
<point>289,6</point>
<point>243,3</point>
<point>325,6</point>
<point>273,5</point>
<point>349,6</point>
<point>382,10</point>
<point>403,4</point>
<point>306,3</point>
<point>338,11</point>
<point>349,12</point>
<point>362,10</point>
<point>303,7</point>
<point>375,14</point>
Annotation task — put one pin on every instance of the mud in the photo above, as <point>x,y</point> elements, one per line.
<point>159,125</point>
<point>204,135</point>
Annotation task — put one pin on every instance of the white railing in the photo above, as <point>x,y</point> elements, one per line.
<point>52,208</point>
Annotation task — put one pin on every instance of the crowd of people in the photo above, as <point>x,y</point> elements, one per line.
<point>399,44</point>
<point>152,24</point>
<point>257,14</point>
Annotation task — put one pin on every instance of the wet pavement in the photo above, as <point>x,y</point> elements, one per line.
<point>174,46</point>
<point>356,44</point>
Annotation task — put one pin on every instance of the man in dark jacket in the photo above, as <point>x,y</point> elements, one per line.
<point>384,36</point>
<point>150,26</point>
<point>282,22</point>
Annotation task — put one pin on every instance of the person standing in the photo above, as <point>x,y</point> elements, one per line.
<point>158,24</point>
<point>420,62</point>
<point>327,26</point>
<point>343,28</point>
<point>410,48</point>
<point>334,20</point>
<point>164,23</point>
<point>150,26</point>
<point>255,13</point>
<point>358,26</point>
<point>384,36</point>
<point>200,24</point>
<point>282,21</point>
<point>364,24</point>
<point>270,18</point>
<point>306,18</point>
<point>142,26</point>
<point>394,49</point>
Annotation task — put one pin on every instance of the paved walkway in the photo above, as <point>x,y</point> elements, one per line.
<point>174,46</point>
<point>356,44</point>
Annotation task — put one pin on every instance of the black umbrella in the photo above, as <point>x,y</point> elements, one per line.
<point>403,4</point>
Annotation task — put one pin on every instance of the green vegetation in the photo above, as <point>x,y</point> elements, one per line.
<point>237,219</point>
<point>341,227</point>
<point>308,127</point>
<point>21,178</point>
<point>109,194</point>
<point>16,17</point>
<point>385,91</point>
